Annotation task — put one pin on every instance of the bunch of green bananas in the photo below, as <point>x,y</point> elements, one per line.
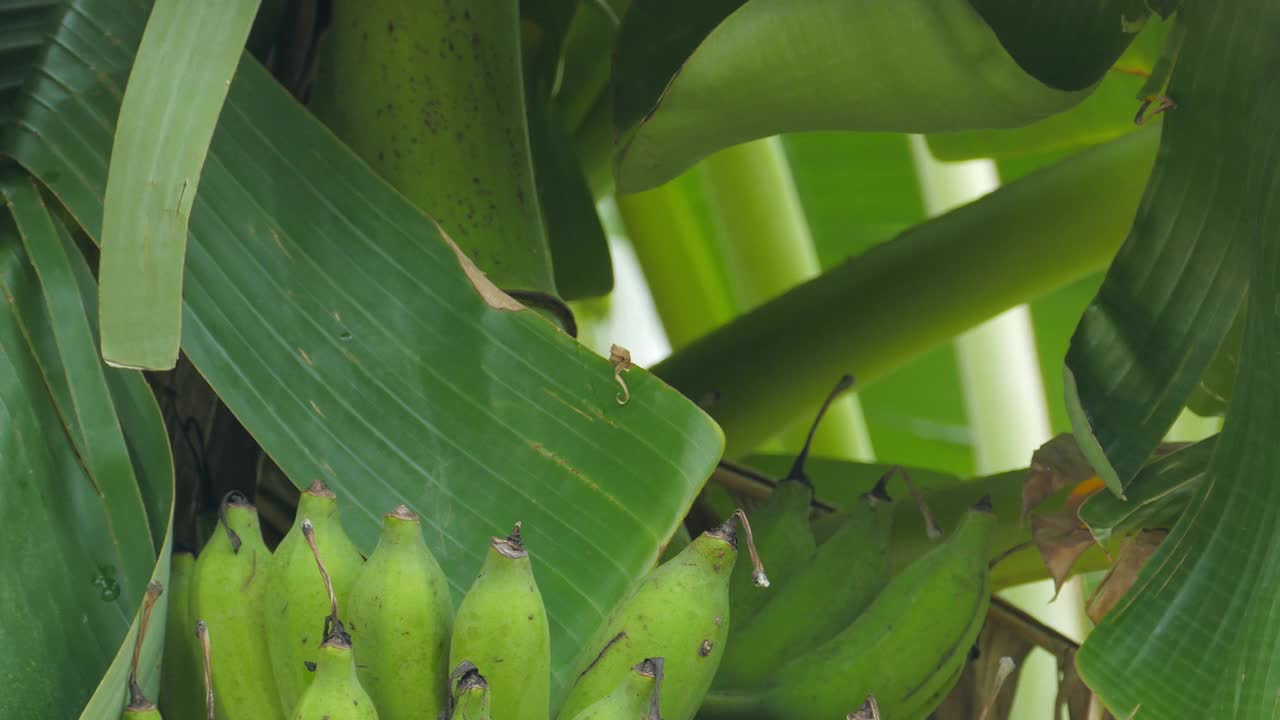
<point>836,629</point>
<point>315,631</point>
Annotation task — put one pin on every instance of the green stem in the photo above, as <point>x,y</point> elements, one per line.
<point>876,311</point>
<point>768,249</point>
<point>679,263</point>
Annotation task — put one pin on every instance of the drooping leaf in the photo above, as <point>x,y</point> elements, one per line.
<point>171,104</point>
<point>1212,590</point>
<point>773,66</point>
<point>358,346</point>
<point>1175,286</point>
<point>878,310</point>
<point>72,590</point>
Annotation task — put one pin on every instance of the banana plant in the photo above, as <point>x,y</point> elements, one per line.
<point>263,244</point>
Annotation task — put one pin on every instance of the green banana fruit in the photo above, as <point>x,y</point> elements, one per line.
<point>636,698</point>
<point>335,693</point>
<point>783,535</point>
<point>139,707</point>
<point>227,593</point>
<point>820,600</point>
<point>907,648</point>
<point>502,627</point>
<point>180,693</point>
<point>399,618</point>
<point>432,97</point>
<point>679,612</point>
<point>470,695</point>
<point>296,603</point>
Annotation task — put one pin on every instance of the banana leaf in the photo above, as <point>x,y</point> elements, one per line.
<point>1199,629</point>
<point>697,77</point>
<point>358,346</point>
<point>84,535</point>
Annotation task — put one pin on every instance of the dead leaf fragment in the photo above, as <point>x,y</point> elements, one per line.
<point>1054,465</point>
<point>1129,561</point>
<point>1061,539</point>
<point>988,683</point>
<point>621,359</point>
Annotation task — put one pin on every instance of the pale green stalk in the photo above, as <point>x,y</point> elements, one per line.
<point>768,249</point>
<point>1007,413</point>
<point>679,263</point>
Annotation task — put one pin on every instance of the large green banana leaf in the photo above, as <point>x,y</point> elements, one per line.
<point>85,514</point>
<point>696,77</point>
<point>359,347</point>
<point>1199,631</point>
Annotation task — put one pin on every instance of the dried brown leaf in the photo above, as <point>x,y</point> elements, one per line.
<point>1061,539</point>
<point>972,695</point>
<point>1124,571</point>
<point>1054,465</point>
